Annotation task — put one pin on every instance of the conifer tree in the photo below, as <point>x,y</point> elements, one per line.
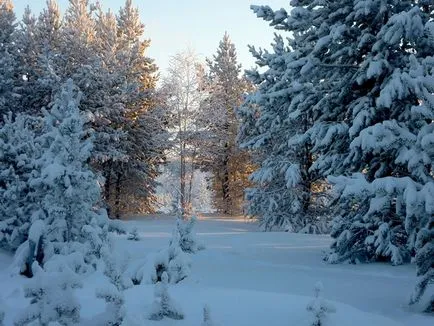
<point>164,305</point>
<point>277,118</point>
<point>230,165</point>
<point>8,59</point>
<point>366,69</point>
<point>133,176</point>
<point>391,165</point>
<point>18,200</point>
<point>52,297</point>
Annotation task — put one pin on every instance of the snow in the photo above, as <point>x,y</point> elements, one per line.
<point>246,277</point>
<point>36,231</point>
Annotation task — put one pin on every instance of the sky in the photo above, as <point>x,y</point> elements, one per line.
<point>175,25</point>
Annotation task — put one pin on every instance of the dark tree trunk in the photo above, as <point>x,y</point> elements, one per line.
<point>107,176</point>
<point>225,185</point>
<point>118,195</point>
<point>31,258</point>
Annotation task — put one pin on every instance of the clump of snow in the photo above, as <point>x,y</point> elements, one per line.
<point>36,231</point>
<point>164,305</point>
<point>318,307</point>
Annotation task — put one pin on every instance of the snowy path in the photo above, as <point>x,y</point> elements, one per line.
<point>239,257</point>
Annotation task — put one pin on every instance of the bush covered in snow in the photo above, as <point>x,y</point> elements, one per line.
<point>164,305</point>
<point>171,260</point>
<point>51,291</point>
<point>115,267</point>
<point>115,310</point>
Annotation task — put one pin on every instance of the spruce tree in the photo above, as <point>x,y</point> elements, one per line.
<point>364,82</point>
<point>383,204</point>
<point>19,150</point>
<point>277,118</point>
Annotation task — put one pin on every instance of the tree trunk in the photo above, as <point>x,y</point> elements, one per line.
<point>118,196</point>
<point>107,176</point>
<point>190,184</point>
<point>107,185</point>
<point>182,181</point>
<point>225,185</point>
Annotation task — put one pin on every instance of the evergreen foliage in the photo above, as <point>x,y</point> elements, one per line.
<point>52,297</point>
<point>319,307</point>
<point>347,99</point>
<point>164,305</point>
<point>218,122</point>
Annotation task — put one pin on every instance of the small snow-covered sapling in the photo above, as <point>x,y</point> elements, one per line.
<point>164,305</point>
<point>179,262</point>
<point>207,320</point>
<point>319,307</point>
<point>134,235</point>
<point>188,240</point>
<point>52,297</point>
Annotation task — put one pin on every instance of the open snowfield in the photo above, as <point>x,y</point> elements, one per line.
<point>249,278</point>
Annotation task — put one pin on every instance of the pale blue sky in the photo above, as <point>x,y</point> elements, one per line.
<point>174,25</point>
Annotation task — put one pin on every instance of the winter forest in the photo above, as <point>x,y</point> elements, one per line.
<point>296,191</point>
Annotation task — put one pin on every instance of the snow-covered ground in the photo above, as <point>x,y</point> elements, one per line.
<point>250,278</point>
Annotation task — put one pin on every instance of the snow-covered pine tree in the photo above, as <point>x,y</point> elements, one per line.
<point>28,56</point>
<point>48,28</point>
<point>18,201</point>
<point>319,307</point>
<point>425,264</point>
<point>179,263</point>
<point>107,96</point>
<point>77,34</point>
<point>70,187</point>
<point>132,180</point>
<point>39,42</point>
<point>188,241</point>
<point>8,59</point>
<point>164,305</point>
<point>52,296</point>
<point>277,118</point>
<point>388,198</point>
<point>219,124</point>
<point>68,190</point>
